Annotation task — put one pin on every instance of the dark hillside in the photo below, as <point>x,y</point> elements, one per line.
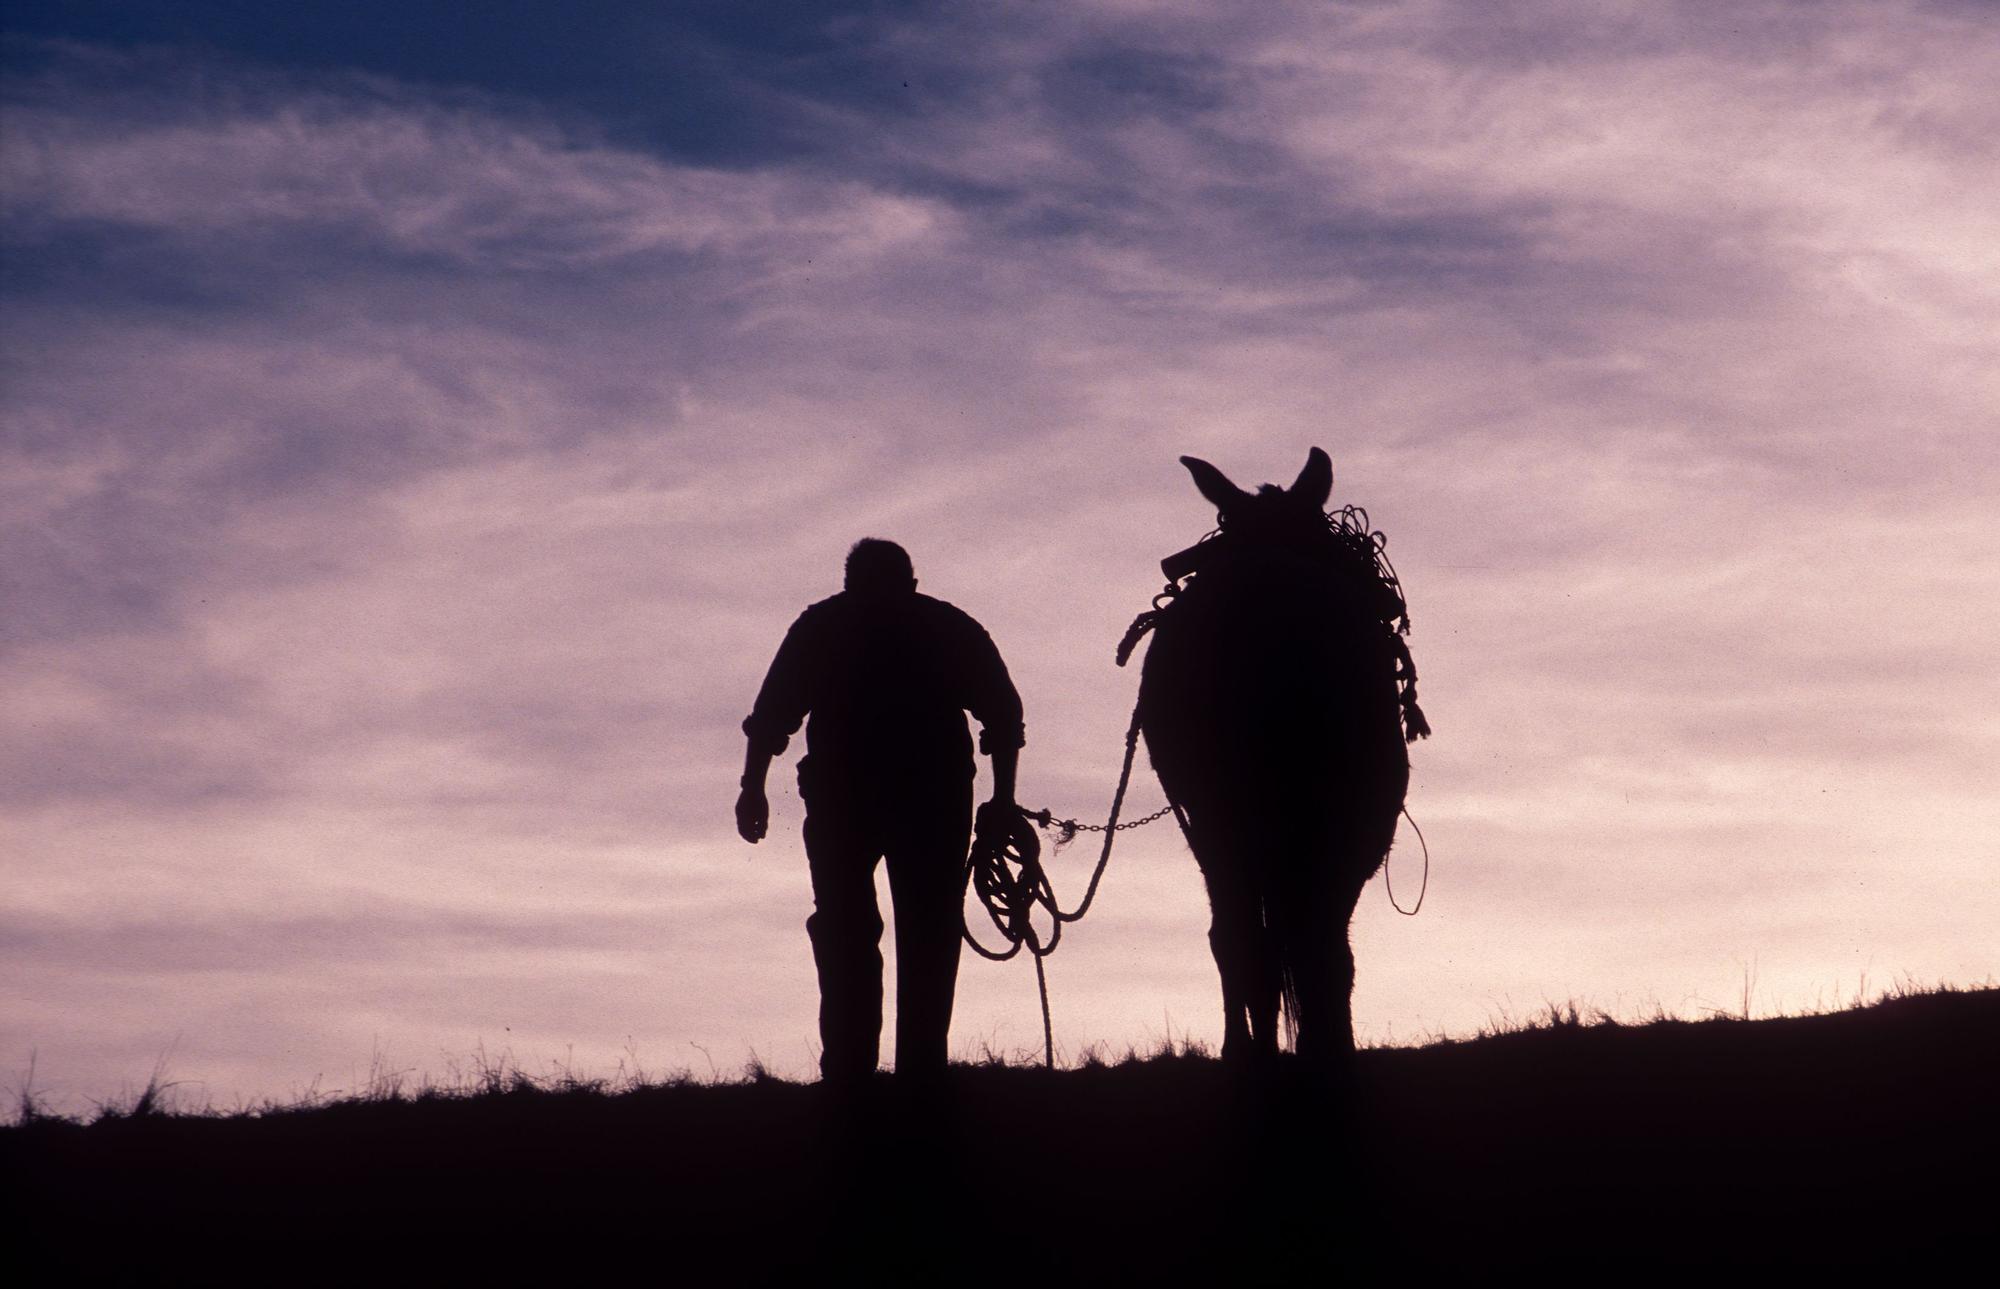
<point>1859,1140</point>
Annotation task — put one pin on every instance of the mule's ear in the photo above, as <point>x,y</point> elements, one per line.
<point>1315,482</point>
<point>1214,484</point>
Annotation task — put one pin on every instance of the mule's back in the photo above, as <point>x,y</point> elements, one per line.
<point>1269,695</point>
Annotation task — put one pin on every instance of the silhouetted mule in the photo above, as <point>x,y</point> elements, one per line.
<point>1271,710</point>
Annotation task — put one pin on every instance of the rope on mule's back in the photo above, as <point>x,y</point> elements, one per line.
<point>1423,888</point>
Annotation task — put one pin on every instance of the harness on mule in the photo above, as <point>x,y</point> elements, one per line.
<point>1357,552</point>
<point>1004,868</point>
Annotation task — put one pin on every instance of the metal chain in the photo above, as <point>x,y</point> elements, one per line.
<point>1067,829</point>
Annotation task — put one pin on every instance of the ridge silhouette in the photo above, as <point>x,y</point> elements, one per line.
<point>883,677</point>
<point>1840,1143</point>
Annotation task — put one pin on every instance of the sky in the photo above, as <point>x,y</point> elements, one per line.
<point>419,425</point>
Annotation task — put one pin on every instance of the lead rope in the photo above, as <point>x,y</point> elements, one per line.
<point>1006,873</point>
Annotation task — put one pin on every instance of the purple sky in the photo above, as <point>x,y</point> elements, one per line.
<point>414,450</point>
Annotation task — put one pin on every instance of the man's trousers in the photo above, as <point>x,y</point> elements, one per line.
<point>923,837</point>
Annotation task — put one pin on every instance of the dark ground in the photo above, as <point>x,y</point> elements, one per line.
<point>1862,1141</point>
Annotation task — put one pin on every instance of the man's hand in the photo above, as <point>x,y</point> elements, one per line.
<point>753,815</point>
<point>996,819</point>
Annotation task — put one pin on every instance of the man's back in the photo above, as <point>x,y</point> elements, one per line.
<point>887,678</point>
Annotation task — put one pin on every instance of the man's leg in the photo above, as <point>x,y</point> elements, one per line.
<point>846,933</point>
<point>926,857</point>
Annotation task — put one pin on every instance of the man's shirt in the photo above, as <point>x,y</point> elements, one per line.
<point>887,679</point>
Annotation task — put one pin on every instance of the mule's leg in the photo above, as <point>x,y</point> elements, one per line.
<point>1323,976</point>
<point>1322,958</point>
<point>1266,987</point>
<point>1233,937</point>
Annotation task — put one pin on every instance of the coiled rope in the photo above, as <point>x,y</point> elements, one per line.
<point>1006,872</point>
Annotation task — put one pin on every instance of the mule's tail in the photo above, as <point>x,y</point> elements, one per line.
<point>1288,1004</point>
<point>1278,944</point>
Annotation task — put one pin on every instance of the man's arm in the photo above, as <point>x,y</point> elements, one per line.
<point>1001,741</point>
<point>994,702</point>
<point>780,708</point>
<point>1006,761</point>
<point>753,808</point>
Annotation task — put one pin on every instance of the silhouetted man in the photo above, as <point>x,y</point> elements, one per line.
<point>887,675</point>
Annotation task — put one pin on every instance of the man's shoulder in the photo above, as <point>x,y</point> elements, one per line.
<point>914,610</point>
<point>944,611</point>
<point>820,610</point>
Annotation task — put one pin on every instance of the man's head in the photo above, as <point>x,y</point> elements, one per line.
<point>876,567</point>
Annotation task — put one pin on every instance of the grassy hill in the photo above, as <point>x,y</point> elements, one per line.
<point>1857,1140</point>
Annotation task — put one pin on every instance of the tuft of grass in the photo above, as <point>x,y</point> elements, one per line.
<point>28,1107</point>
<point>154,1100</point>
<point>385,1082</point>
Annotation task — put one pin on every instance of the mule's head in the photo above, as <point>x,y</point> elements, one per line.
<point>1271,516</point>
